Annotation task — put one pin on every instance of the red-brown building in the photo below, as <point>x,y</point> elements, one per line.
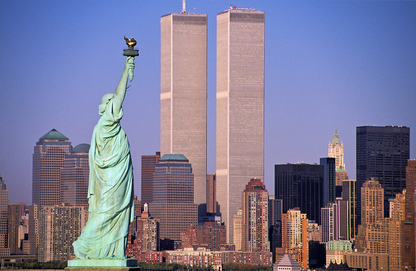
<point>409,220</point>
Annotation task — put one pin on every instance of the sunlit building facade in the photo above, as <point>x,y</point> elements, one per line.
<point>255,218</point>
<point>4,202</point>
<point>75,176</point>
<point>183,92</point>
<point>48,159</point>
<point>336,150</point>
<point>409,220</point>
<point>240,107</point>
<point>295,236</point>
<point>148,168</point>
<point>173,196</point>
<point>59,227</point>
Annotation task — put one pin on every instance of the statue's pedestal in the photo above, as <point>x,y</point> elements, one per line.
<point>102,264</point>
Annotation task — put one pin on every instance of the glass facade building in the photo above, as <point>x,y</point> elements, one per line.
<point>302,186</point>
<point>173,196</point>
<point>329,179</point>
<point>382,153</point>
<point>75,176</point>
<point>48,159</point>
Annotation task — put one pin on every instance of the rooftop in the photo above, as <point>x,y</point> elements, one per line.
<point>335,139</point>
<point>54,135</point>
<point>81,148</point>
<point>173,157</point>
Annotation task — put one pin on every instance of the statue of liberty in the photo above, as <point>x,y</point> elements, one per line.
<point>110,190</point>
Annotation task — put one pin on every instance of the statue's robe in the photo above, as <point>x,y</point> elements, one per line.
<point>110,191</point>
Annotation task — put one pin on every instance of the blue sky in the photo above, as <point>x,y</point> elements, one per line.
<point>329,65</point>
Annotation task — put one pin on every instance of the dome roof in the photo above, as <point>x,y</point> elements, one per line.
<point>81,148</point>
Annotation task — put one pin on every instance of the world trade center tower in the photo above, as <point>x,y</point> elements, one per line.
<point>240,107</point>
<point>183,92</point>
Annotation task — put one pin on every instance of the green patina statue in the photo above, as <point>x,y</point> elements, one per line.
<point>110,191</point>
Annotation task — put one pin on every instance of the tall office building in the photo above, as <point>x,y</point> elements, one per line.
<point>211,194</point>
<point>300,185</point>
<point>240,107</point>
<point>382,152</point>
<point>255,217</point>
<point>13,222</point>
<point>275,224</point>
<point>33,229</point>
<point>409,220</point>
<point>372,233</point>
<point>48,159</point>
<point>143,236</point>
<point>59,227</point>
<point>148,168</point>
<point>173,196</point>
<point>4,203</point>
<point>295,236</point>
<point>336,150</point>
<point>329,179</point>
<point>395,225</point>
<point>335,221</point>
<point>238,230</point>
<point>348,195</point>
<point>183,92</point>
<point>328,222</point>
<point>75,176</point>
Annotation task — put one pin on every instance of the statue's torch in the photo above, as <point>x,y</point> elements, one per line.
<point>130,52</point>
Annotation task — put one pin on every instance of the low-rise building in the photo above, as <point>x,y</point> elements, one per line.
<point>335,251</point>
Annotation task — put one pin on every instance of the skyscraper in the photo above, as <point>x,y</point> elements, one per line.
<point>295,236</point>
<point>336,150</point>
<point>240,107</point>
<point>409,221</point>
<point>349,196</point>
<point>173,196</point>
<point>59,227</point>
<point>275,224</point>
<point>148,168</point>
<point>13,228</point>
<point>211,193</point>
<point>238,229</point>
<point>183,92</point>
<point>34,228</point>
<point>255,217</point>
<point>48,158</point>
<point>4,203</point>
<point>75,176</point>
<point>329,179</point>
<point>382,152</point>
<point>372,233</point>
<point>300,185</point>
<point>329,221</point>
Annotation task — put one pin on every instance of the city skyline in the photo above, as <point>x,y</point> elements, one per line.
<point>328,65</point>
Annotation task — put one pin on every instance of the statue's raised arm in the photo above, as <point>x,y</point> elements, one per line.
<point>110,188</point>
<point>121,89</point>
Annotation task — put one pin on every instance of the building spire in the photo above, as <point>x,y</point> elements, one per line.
<point>335,139</point>
<point>183,6</point>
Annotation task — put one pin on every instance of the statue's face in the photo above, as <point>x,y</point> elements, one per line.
<point>104,101</point>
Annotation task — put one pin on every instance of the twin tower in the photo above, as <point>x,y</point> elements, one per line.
<point>239,100</point>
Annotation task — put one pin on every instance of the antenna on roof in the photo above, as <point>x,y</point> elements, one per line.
<point>183,6</point>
